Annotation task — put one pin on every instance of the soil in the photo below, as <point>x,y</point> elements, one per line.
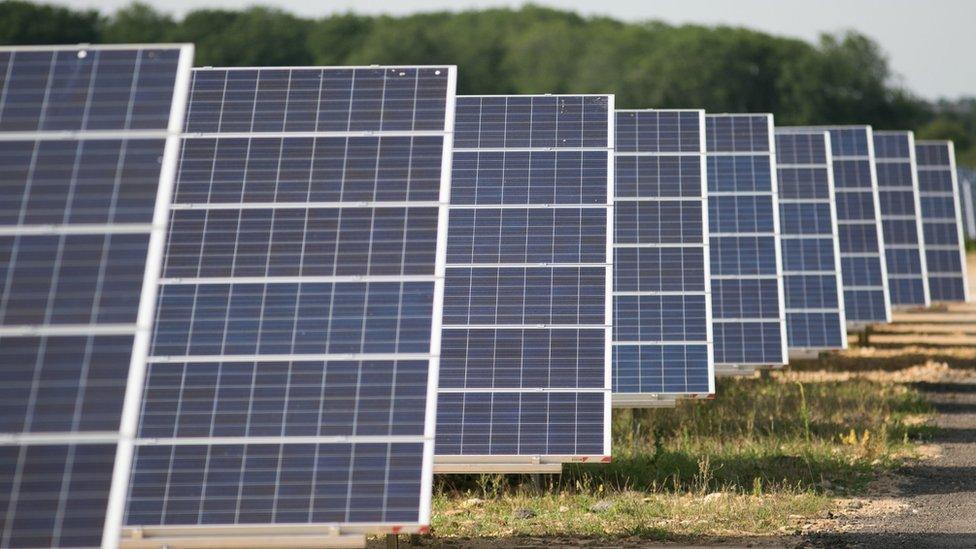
<point>930,502</point>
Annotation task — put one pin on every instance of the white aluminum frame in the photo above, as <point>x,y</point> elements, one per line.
<point>515,463</point>
<point>147,306</point>
<point>666,400</point>
<point>828,166</point>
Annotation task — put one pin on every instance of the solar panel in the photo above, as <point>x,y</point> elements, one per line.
<point>862,258</point>
<point>894,162</point>
<point>967,197</point>
<point>749,322</point>
<point>945,254</point>
<point>811,255</point>
<point>662,299</point>
<point>295,349</point>
<point>90,139</point>
<point>525,364</point>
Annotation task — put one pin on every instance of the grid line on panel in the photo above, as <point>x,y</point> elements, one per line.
<point>302,101</point>
<point>863,264</point>
<point>523,245</point>
<point>296,305</point>
<point>811,260</point>
<point>941,216</point>
<point>901,221</point>
<point>746,266</point>
<point>660,163</point>
<point>86,132</point>
<point>88,89</point>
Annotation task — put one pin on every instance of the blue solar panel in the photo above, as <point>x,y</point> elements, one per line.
<point>662,311</point>
<point>901,224</point>
<point>749,321</point>
<point>811,255</point>
<point>526,338</point>
<point>293,353</point>
<point>967,199</point>
<point>945,254</point>
<point>862,254</point>
<point>89,142</point>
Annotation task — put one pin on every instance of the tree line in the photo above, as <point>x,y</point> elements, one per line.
<point>843,78</point>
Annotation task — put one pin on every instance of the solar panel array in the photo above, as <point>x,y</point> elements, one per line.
<point>89,141</point>
<point>525,360</point>
<point>743,224</point>
<point>294,358</point>
<point>901,224</point>
<point>945,254</point>
<point>862,258</point>
<point>260,296</point>
<point>662,299</point>
<point>811,256</point>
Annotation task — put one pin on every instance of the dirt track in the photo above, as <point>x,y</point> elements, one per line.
<point>930,503</point>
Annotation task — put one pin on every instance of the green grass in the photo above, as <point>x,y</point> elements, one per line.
<point>776,451</point>
<point>651,516</point>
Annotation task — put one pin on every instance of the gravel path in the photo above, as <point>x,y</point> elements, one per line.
<point>938,494</point>
<point>933,502</point>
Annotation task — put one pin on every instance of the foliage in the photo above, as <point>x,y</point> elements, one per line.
<point>843,78</point>
<point>26,23</point>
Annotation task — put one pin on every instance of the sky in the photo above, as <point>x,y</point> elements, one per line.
<point>929,42</point>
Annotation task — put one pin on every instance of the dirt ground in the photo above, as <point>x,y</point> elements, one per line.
<point>929,503</point>
<point>932,501</point>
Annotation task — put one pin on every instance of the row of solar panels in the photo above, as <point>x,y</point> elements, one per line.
<point>248,302</point>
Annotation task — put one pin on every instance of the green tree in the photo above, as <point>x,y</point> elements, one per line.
<point>138,23</point>
<point>843,78</point>
<point>253,37</point>
<point>333,39</point>
<point>26,23</point>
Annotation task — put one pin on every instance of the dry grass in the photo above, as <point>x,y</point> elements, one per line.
<point>764,458</point>
<point>634,515</point>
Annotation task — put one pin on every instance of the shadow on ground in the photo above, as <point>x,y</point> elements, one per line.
<point>889,539</point>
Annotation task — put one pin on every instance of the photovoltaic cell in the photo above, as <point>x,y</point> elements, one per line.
<point>526,339</point>
<point>89,142</point>
<point>97,88</point>
<point>859,227</point>
<point>945,255</point>
<point>901,224</point>
<point>749,322</point>
<point>55,495</point>
<point>662,306</point>
<point>294,353</point>
<point>811,255</point>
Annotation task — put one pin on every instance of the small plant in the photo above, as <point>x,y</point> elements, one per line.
<point>491,486</point>
<point>804,412</point>
<point>703,477</point>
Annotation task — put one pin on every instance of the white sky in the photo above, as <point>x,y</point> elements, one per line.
<point>929,42</point>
